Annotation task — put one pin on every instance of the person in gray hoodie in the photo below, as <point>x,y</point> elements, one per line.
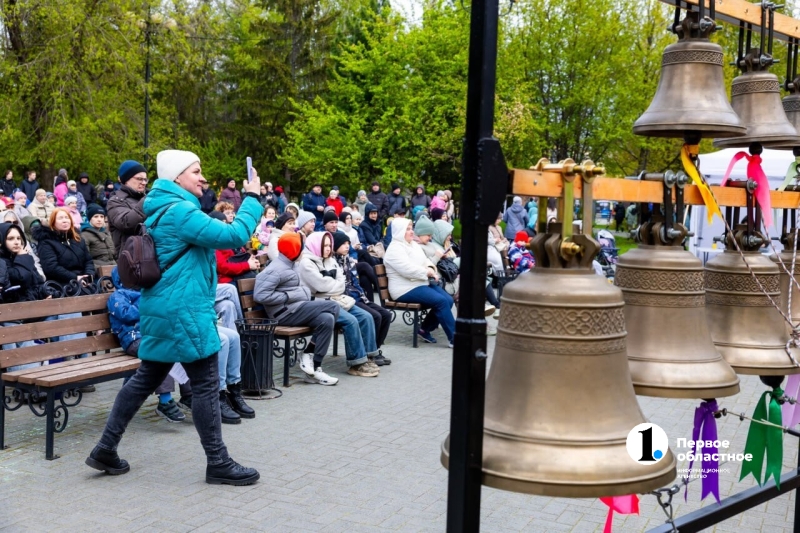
<point>284,299</point>
<point>516,218</point>
<point>420,198</point>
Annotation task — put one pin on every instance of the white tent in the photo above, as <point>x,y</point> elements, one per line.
<point>713,166</point>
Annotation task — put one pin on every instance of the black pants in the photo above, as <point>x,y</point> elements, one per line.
<point>382,318</point>
<point>204,375</point>
<point>367,279</point>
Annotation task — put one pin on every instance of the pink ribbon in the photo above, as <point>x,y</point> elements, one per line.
<point>622,504</point>
<point>790,412</point>
<point>756,173</point>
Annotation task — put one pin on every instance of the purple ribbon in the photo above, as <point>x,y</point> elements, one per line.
<point>791,412</point>
<point>706,424</point>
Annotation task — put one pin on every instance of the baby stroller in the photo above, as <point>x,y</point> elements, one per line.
<point>608,252</point>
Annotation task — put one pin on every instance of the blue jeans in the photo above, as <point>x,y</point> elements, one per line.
<point>441,305</point>
<point>227,305</point>
<point>13,345</point>
<point>66,337</point>
<point>230,357</point>
<point>355,322</point>
<point>205,404</point>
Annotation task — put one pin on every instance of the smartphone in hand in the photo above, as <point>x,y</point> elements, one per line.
<point>249,169</point>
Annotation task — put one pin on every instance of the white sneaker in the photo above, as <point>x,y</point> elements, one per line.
<point>491,331</point>
<point>307,363</point>
<point>488,310</point>
<point>323,378</point>
<point>496,314</point>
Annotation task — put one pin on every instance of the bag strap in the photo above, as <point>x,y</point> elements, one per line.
<point>180,255</point>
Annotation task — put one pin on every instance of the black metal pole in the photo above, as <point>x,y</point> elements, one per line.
<point>469,352</point>
<point>796,525</point>
<point>147,90</point>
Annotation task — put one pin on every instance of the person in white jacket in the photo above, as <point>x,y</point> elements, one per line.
<point>319,271</point>
<point>413,279</point>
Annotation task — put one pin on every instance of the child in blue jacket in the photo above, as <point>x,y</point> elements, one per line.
<point>123,313</point>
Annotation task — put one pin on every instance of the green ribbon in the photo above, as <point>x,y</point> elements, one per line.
<point>791,173</point>
<point>765,440</point>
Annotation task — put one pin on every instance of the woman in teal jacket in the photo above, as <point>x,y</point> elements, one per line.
<point>178,322</point>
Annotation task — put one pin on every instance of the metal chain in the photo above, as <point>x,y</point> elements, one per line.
<point>667,506</point>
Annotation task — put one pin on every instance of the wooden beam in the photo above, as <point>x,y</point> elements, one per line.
<point>550,184</point>
<point>732,11</point>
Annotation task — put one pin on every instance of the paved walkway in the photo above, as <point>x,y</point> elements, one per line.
<point>361,456</point>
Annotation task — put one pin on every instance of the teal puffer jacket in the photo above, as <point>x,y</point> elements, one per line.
<point>178,322</point>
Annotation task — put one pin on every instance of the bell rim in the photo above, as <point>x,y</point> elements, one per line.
<point>764,140</point>
<point>654,391</point>
<point>634,485</point>
<point>668,131</point>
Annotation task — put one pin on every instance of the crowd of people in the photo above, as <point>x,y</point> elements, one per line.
<point>314,264</point>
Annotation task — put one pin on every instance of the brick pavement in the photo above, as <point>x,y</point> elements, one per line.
<point>361,456</point>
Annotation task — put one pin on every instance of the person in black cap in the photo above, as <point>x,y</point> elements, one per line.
<point>97,238</point>
<point>330,221</point>
<point>315,203</point>
<point>125,206</point>
<point>285,223</point>
<point>380,316</point>
<point>86,189</point>
<point>378,198</point>
<point>396,201</point>
<point>341,196</point>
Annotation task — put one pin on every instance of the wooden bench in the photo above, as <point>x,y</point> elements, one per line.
<point>60,381</point>
<point>411,312</point>
<point>294,338</point>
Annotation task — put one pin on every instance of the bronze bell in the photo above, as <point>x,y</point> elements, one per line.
<point>787,239</point>
<point>559,398</point>
<point>756,98</point>
<point>691,100</point>
<point>670,351</point>
<point>747,330</point>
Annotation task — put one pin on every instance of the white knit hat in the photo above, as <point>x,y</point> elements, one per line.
<point>171,163</point>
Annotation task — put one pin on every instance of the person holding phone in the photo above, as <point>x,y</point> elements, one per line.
<point>177,316</point>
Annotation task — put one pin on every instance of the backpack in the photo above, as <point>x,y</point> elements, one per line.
<point>448,270</point>
<point>138,262</point>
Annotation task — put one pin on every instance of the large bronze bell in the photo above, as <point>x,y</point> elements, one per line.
<point>559,398</point>
<point>691,100</point>
<point>756,98</point>
<point>670,350</point>
<point>747,329</point>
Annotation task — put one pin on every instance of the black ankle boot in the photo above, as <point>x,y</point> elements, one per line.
<point>231,473</point>
<point>108,462</point>
<point>229,416</point>
<point>237,401</point>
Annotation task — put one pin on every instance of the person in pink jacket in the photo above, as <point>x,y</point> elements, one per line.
<point>71,206</point>
<point>439,201</point>
<point>60,188</point>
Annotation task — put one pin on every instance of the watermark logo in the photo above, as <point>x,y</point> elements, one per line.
<point>647,444</point>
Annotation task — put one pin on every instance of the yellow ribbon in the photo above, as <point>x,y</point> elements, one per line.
<point>687,152</point>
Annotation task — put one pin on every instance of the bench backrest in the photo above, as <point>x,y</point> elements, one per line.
<point>105,271</point>
<point>383,283</point>
<point>250,308</point>
<point>93,322</point>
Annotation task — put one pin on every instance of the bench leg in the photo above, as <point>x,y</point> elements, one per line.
<point>416,328</point>
<point>335,343</point>
<point>3,415</point>
<point>286,356</point>
<point>51,426</point>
